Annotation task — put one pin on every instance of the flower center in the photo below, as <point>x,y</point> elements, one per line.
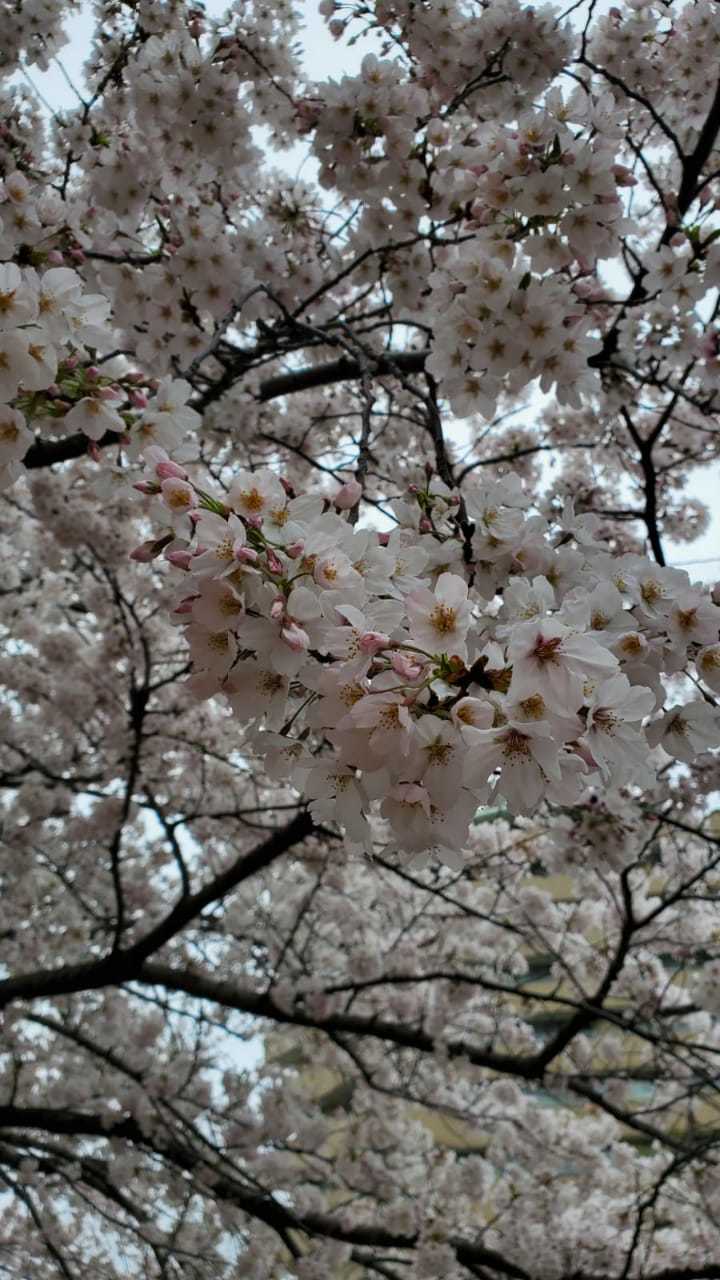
<point>546,650</point>
<point>443,619</point>
<point>516,746</point>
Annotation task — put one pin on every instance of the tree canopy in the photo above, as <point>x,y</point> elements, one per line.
<point>359,832</point>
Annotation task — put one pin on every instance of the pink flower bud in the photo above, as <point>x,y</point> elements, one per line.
<point>55,258</point>
<point>72,362</point>
<point>371,642</point>
<point>277,609</point>
<point>137,399</point>
<point>166,470</point>
<point>405,667</point>
<point>77,255</point>
<point>295,550</point>
<point>146,552</point>
<point>254,522</point>
<point>425,525</point>
<point>295,638</point>
<point>275,564</point>
<point>93,450</point>
<point>92,372</point>
<point>146,486</point>
<point>186,605</point>
<point>383,539</point>
<point>348,495</point>
<point>180,559</point>
<point>244,554</point>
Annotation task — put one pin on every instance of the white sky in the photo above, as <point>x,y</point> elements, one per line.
<point>324,58</point>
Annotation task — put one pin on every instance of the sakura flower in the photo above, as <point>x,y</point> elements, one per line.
<point>472,713</point>
<point>526,755</point>
<point>254,690</point>
<point>420,827</point>
<point>218,605</point>
<point>166,419</point>
<point>178,495</point>
<point>285,758</point>
<point>15,437</point>
<point>439,620</point>
<point>385,714</point>
<point>707,663</point>
<point>408,809</point>
<point>44,359</point>
<point>686,731</point>
<point>333,571</point>
<point>692,618</point>
<point>93,417</point>
<point>219,543</point>
<point>16,363</point>
<point>523,600</point>
<point>360,635</point>
<point>18,302</point>
<point>337,795</point>
<point>339,687</point>
<point>615,709</point>
<point>438,751</point>
<point>213,651</point>
<point>283,643</point>
<point>171,400</point>
<point>549,659</point>
<point>254,493</point>
<point>56,290</point>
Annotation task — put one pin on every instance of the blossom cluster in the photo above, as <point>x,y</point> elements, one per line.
<point>476,654</point>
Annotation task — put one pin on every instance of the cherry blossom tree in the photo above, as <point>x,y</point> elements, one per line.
<point>360,845</point>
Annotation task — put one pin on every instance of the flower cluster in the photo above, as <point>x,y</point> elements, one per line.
<point>475,654</point>
<point>503,329</point>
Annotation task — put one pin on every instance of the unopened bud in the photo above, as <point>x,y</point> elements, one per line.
<point>180,559</point>
<point>146,552</point>
<point>371,642</point>
<point>295,638</point>
<point>348,495</point>
<point>168,470</point>
<point>405,666</point>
